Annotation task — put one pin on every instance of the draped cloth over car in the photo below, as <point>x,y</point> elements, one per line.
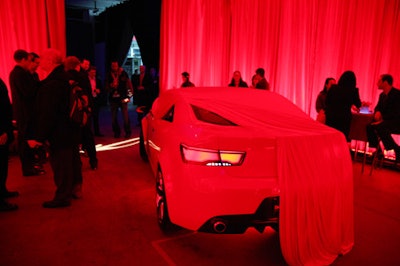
<point>314,170</point>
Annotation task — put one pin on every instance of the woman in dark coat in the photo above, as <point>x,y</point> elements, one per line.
<point>339,101</point>
<point>237,80</point>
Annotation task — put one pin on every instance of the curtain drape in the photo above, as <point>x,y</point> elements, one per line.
<point>119,32</point>
<point>299,43</point>
<point>33,25</point>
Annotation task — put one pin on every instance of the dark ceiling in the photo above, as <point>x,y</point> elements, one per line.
<point>95,7</point>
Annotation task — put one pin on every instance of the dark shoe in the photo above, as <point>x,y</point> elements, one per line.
<point>9,194</point>
<point>99,135</point>
<point>94,165</point>
<point>56,204</point>
<point>6,206</point>
<point>127,135</point>
<point>116,135</point>
<point>77,192</point>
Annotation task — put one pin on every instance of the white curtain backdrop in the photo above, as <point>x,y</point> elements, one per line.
<point>299,43</point>
<point>33,25</point>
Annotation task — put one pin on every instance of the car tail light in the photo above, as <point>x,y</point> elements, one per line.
<point>211,157</point>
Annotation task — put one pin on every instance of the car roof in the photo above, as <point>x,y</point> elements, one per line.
<point>249,107</point>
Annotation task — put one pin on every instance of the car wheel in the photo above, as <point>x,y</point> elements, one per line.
<point>142,149</point>
<point>162,210</point>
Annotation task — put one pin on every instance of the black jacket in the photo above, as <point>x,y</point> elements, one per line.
<point>389,105</point>
<point>338,107</point>
<point>52,107</point>
<point>23,91</point>
<point>5,113</point>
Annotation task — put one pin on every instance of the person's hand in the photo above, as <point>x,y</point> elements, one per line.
<point>355,109</point>
<point>376,122</point>
<point>33,143</point>
<point>3,139</point>
<point>378,117</point>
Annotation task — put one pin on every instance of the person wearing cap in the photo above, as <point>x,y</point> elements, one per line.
<point>186,80</point>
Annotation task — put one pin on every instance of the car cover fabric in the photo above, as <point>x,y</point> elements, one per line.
<point>314,170</point>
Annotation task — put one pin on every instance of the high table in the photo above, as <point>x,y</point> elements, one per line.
<point>358,132</point>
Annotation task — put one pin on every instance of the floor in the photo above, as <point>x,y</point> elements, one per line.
<point>115,221</point>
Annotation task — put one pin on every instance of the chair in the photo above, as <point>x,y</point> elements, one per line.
<point>358,133</point>
<point>386,154</point>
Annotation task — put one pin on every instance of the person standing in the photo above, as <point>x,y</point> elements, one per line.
<point>262,81</point>
<point>254,80</point>
<point>186,80</point>
<point>40,153</point>
<point>98,102</point>
<point>237,80</point>
<point>23,91</point>
<point>154,87</point>
<point>142,89</point>
<point>54,126</point>
<point>88,143</point>
<point>118,85</point>
<point>34,64</point>
<point>386,117</point>
<point>340,100</point>
<point>6,137</point>
<point>320,104</point>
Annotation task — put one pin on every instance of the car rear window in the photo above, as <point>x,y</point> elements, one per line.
<point>211,117</point>
<point>169,116</point>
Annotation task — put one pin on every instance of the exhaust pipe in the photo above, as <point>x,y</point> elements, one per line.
<point>219,226</point>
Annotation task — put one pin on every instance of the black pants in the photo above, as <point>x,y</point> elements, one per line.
<point>88,143</point>
<point>114,106</point>
<point>67,171</point>
<point>26,154</point>
<point>383,132</point>
<point>3,167</point>
<point>95,118</point>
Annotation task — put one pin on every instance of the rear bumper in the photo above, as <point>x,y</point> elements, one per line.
<point>198,194</point>
<point>267,214</point>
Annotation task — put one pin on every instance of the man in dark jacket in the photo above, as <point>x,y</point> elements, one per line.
<point>87,137</point>
<point>99,99</point>
<point>23,91</point>
<point>142,90</point>
<point>118,85</point>
<point>6,137</point>
<point>386,117</point>
<point>54,126</point>
<point>262,81</point>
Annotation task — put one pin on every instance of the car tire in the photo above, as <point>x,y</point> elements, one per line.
<point>142,149</point>
<point>162,209</point>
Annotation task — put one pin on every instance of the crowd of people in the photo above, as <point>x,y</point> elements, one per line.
<point>41,92</point>
<point>258,80</point>
<point>336,103</point>
<point>41,111</point>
